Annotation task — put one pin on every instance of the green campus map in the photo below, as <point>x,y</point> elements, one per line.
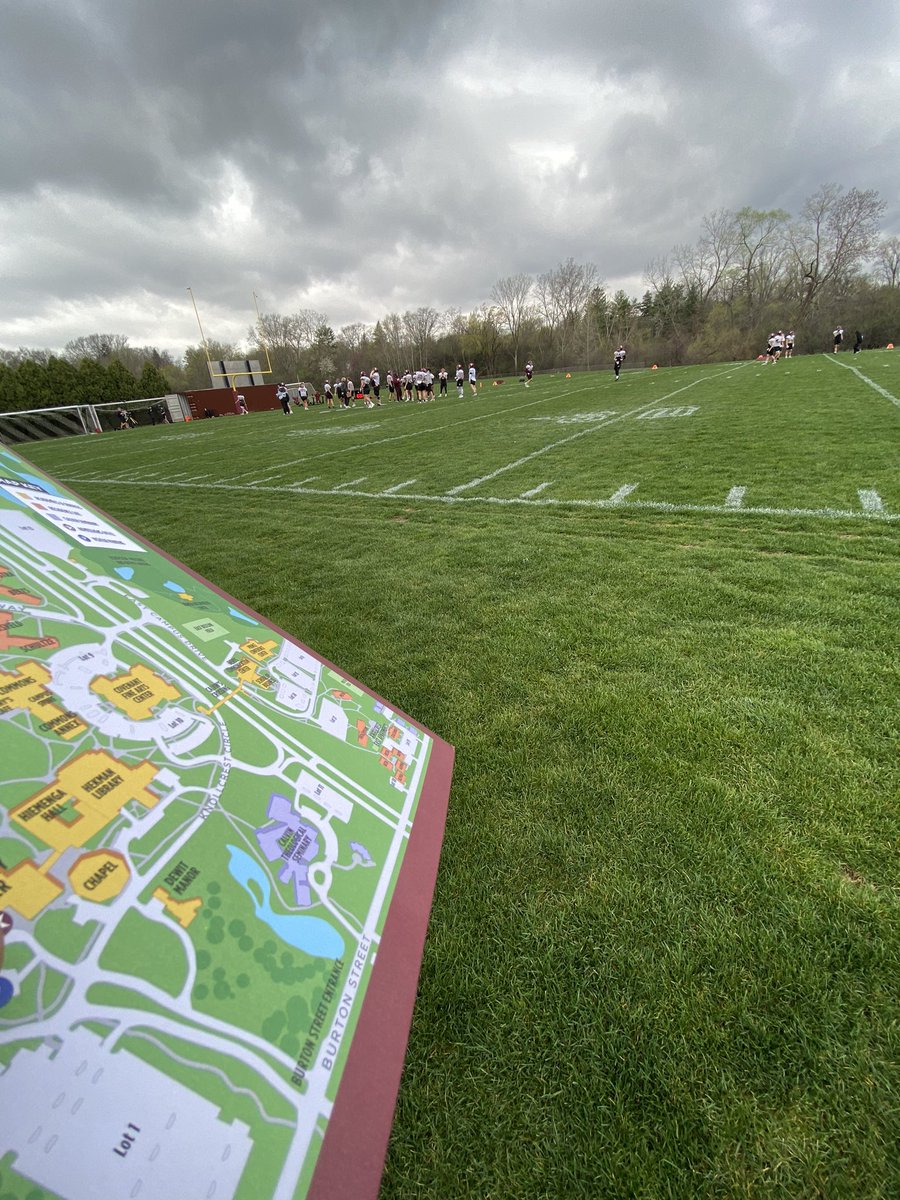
<point>201,829</point>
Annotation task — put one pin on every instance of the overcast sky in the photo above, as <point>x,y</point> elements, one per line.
<point>363,156</point>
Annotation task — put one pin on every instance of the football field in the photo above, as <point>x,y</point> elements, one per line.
<point>658,619</point>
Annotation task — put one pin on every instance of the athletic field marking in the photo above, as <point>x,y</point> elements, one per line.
<point>685,411</point>
<point>625,490</point>
<point>540,502</point>
<point>329,432</point>
<point>400,437</point>
<point>397,487</point>
<point>870,500</point>
<point>578,418</point>
<point>339,487</point>
<point>735,498</point>
<point>534,491</point>
<point>871,382</point>
<point>592,428</point>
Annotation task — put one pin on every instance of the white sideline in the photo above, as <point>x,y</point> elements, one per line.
<point>871,382</point>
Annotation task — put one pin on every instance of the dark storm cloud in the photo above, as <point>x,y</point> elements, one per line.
<point>360,157</point>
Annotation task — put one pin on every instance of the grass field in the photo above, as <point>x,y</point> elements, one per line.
<point>664,952</point>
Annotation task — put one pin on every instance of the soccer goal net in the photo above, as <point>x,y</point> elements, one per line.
<point>37,423</point>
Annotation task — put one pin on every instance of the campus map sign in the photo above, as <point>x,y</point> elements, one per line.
<point>217,856</point>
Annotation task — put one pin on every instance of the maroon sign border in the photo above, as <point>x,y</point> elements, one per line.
<point>354,1148</point>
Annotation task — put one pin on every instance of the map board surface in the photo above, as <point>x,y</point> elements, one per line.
<point>213,895</point>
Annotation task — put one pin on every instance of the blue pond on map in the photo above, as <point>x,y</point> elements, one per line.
<point>312,935</point>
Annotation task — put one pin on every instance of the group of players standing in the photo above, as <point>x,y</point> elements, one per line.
<point>779,345</point>
<point>344,393</point>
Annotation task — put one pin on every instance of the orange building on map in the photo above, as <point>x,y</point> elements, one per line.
<point>10,641</point>
<point>18,594</point>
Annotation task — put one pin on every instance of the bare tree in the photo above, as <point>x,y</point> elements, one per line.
<point>512,298</point>
<point>15,358</point>
<point>420,326</point>
<point>395,339</point>
<point>288,335</point>
<point>568,288</point>
<point>704,265</point>
<point>836,233</point>
<point>481,342</point>
<point>100,347</point>
<point>760,251</point>
<point>353,335</point>
<point>888,261</point>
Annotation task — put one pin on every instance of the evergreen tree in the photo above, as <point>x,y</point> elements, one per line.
<point>121,382</point>
<point>34,386</point>
<point>93,383</point>
<point>152,382</point>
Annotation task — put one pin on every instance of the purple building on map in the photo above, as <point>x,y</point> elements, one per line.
<point>293,841</point>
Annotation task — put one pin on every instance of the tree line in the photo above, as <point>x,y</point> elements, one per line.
<point>750,271</point>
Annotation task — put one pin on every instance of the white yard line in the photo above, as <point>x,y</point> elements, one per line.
<point>536,490</point>
<point>597,425</point>
<point>400,437</point>
<point>544,502</point>
<point>735,498</point>
<point>870,500</point>
<point>625,490</point>
<point>339,487</point>
<point>832,358</point>
<point>398,487</point>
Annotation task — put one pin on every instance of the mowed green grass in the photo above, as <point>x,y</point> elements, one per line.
<point>664,951</point>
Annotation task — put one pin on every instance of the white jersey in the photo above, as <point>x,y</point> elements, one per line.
<point>460,374</point>
<point>376,379</point>
<point>472,375</point>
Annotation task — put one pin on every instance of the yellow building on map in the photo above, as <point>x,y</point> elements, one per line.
<point>26,689</point>
<point>261,651</point>
<point>25,889</point>
<point>183,911</point>
<point>88,793</point>
<point>99,875</point>
<point>136,693</point>
<point>247,672</point>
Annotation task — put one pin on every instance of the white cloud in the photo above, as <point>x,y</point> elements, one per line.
<point>361,158</point>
